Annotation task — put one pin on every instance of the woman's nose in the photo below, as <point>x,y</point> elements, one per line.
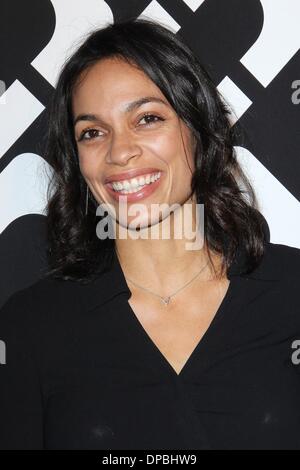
<point>122,148</point>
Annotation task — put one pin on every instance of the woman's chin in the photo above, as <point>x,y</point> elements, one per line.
<point>136,224</point>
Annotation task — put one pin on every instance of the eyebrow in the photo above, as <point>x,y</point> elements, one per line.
<point>129,107</point>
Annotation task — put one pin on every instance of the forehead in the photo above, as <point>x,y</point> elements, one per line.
<point>110,82</point>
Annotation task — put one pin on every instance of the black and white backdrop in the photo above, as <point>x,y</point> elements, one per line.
<point>251,49</point>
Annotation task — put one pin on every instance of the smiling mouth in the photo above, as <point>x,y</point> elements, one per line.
<point>133,185</point>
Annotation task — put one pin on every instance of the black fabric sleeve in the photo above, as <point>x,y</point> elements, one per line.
<point>21,410</point>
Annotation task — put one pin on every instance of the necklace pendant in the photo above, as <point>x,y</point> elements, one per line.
<point>165,300</point>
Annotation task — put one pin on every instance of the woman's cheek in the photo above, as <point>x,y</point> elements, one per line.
<point>87,163</point>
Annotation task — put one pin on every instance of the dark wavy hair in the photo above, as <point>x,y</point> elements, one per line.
<point>231,217</point>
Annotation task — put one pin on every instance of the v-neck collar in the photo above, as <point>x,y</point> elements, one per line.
<point>162,361</point>
<point>112,283</point>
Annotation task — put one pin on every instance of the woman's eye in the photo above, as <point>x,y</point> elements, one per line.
<point>150,118</point>
<point>90,132</point>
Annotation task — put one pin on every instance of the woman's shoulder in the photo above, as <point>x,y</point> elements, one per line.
<point>278,276</point>
<point>42,291</point>
<point>279,262</point>
<point>289,260</point>
<point>37,305</point>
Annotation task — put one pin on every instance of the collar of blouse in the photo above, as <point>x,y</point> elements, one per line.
<point>111,283</point>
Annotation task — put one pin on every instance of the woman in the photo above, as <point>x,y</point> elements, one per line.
<point>162,343</point>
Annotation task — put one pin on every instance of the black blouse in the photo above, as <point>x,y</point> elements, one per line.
<point>82,373</point>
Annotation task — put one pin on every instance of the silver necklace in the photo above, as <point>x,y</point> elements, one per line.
<point>166,300</point>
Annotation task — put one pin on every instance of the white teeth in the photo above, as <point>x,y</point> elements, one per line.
<point>135,184</point>
<point>141,181</point>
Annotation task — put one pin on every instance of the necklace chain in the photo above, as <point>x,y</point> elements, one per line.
<point>166,300</point>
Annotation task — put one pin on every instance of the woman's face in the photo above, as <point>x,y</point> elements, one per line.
<point>115,138</point>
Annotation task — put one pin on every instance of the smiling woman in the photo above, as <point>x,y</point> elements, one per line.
<point>120,109</point>
<point>142,341</point>
<point>127,130</point>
